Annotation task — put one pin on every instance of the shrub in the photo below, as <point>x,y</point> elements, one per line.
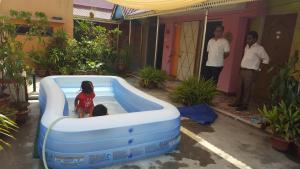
<point>151,77</point>
<point>285,83</point>
<point>284,120</point>
<point>193,91</point>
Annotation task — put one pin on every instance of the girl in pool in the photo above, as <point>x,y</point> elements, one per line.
<point>84,100</point>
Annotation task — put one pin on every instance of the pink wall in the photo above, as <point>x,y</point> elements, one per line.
<point>235,22</point>
<point>229,76</point>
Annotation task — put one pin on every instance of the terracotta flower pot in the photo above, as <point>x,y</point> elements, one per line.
<point>21,116</point>
<point>280,144</point>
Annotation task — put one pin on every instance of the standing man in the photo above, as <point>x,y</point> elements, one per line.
<point>218,49</point>
<point>254,55</point>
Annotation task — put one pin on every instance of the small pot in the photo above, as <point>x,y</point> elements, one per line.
<point>280,144</point>
<point>21,116</point>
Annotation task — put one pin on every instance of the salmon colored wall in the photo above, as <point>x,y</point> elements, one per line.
<point>58,8</point>
<point>235,22</point>
<point>169,36</point>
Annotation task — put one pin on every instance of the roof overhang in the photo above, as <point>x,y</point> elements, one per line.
<point>208,4</point>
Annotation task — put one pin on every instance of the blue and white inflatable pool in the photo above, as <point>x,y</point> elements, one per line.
<point>138,125</point>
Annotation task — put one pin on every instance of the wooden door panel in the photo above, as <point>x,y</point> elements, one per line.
<point>277,40</point>
<point>175,50</point>
<point>188,46</point>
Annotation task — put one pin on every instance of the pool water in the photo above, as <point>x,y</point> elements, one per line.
<point>104,95</point>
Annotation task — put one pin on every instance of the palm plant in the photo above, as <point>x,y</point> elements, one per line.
<point>6,126</point>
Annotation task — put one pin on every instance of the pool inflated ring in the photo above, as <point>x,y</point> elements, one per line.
<point>138,125</point>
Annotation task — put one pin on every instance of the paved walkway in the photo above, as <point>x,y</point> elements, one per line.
<point>226,144</point>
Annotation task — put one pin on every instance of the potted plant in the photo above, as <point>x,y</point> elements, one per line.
<point>17,90</point>
<point>285,83</point>
<point>193,91</point>
<point>39,61</point>
<point>151,77</point>
<point>15,72</point>
<point>5,30</point>
<point>284,121</point>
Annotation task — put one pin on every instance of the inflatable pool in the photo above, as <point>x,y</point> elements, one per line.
<point>138,125</point>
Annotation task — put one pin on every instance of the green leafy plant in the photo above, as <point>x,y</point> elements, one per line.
<point>56,54</point>
<point>93,44</point>
<point>11,50</point>
<point>285,83</point>
<point>6,126</point>
<point>193,91</point>
<point>284,120</point>
<point>151,77</point>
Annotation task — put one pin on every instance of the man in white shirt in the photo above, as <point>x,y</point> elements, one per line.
<point>218,49</point>
<point>254,55</point>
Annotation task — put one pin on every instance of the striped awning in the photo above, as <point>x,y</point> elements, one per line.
<point>139,12</point>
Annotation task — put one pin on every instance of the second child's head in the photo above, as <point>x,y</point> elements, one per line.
<point>87,87</point>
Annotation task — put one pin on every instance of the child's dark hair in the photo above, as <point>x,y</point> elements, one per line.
<point>100,110</point>
<point>87,87</point>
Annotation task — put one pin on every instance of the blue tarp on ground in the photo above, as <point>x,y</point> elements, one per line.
<point>201,113</point>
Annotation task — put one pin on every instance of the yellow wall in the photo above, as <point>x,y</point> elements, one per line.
<point>277,7</point>
<point>58,8</point>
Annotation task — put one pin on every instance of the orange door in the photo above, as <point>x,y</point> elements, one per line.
<point>175,50</point>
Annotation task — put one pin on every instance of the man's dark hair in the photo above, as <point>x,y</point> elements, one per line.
<point>100,110</point>
<point>220,26</point>
<point>254,34</point>
<point>87,87</point>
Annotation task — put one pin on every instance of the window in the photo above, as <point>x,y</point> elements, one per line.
<point>23,29</point>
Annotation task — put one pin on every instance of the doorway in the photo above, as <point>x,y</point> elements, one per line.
<point>277,40</point>
<point>211,26</point>
<point>160,45</point>
<point>151,41</point>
